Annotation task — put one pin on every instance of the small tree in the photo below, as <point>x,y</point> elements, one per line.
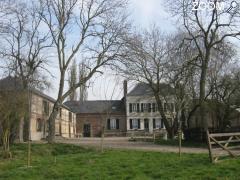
<point>13,105</point>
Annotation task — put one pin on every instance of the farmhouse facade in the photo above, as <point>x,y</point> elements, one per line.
<point>94,117</point>
<point>39,105</point>
<point>142,111</point>
<point>135,113</point>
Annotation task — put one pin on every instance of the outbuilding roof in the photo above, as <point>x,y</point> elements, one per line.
<point>143,89</point>
<point>100,106</point>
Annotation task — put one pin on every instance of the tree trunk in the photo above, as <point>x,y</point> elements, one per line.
<point>51,131</point>
<point>170,130</point>
<point>21,126</point>
<point>204,121</point>
<point>56,107</point>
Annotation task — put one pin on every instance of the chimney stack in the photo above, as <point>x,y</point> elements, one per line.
<point>125,89</point>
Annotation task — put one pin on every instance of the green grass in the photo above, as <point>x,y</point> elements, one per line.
<point>74,162</point>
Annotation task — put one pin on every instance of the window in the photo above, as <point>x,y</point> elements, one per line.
<point>130,107</point>
<point>157,124</point>
<point>134,107</point>
<point>145,107</point>
<point>70,117</point>
<point>113,124</point>
<point>149,107</point>
<point>45,107</point>
<point>60,113</point>
<point>135,124</point>
<point>39,125</point>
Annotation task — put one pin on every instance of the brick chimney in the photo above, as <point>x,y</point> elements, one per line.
<point>125,89</point>
<point>125,95</point>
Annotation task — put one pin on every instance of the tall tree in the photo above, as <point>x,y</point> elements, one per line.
<point>146,61</point>
<point>90,27</point>
<point>83,94</point>
<point>206,29</point>
<point>23,45</point>
<point>72,80</point>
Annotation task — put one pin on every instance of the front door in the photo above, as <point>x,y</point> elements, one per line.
<point>146,124</point>
<point>86,130</point>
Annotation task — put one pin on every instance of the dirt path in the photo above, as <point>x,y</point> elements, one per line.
<point>123,143</point>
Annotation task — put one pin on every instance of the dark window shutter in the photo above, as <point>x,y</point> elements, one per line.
<point>139,125</point>
<point>131,124</point>
<point>154,123</point>
<point>138,109</point>
<point>108,123</point>
<point>161,123</point>
<point>165,107</point>
<point>117,123</point>
<point>130,107</point>
<point>141,107</point>
<point>153,107</point>
<point>149,107</point>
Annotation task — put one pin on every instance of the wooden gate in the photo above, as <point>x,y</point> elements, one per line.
<point>223,145</point>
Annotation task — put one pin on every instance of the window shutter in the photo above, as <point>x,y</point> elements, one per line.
<point>141,107</point>
<point>154,124</point>
<point>153,107</point>
<point>149,107</point>
<point>108,124</point>
<point>130,107</point>
<point>139,125</point>
<point>117,123</point>
<point>138,108</point>
<point>130,123</point>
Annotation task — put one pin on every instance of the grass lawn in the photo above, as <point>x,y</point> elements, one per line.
<point>74,162</point>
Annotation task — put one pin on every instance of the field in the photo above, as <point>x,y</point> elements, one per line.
<point>60,161</point>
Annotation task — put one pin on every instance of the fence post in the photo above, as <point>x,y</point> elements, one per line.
<point>209,147</point>
<point>180,142</point>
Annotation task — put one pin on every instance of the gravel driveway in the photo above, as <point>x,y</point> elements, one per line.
<point>123,143</point>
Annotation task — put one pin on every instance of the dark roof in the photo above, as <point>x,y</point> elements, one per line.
<point>11,83</point>
<point>144,89</point>
<point>101,106</point>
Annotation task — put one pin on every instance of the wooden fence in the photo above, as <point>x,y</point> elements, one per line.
<point>221,145</point>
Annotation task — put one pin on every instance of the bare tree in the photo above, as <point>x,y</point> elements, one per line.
<point>108,108</point>
<point>98,25</point>
<point>206,29</point>
<point>146,61</point>
<point>24,42</point>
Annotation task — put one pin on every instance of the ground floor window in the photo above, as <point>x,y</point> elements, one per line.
<point>113,124</point>
<point>158,123</point>
<point>39,125</point>
<point>135,124</point>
